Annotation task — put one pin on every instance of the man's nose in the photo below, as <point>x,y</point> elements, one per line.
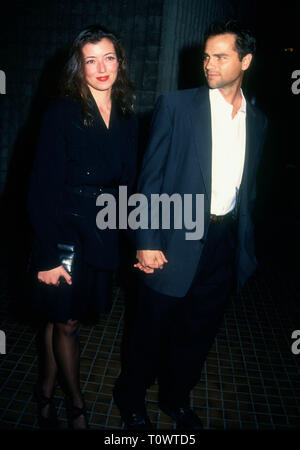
<point>209,64</point>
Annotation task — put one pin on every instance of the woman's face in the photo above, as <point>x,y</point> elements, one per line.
<point>100,65</point>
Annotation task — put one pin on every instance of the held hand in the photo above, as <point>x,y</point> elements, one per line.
<point>149,260</point>
<point>52,276</point>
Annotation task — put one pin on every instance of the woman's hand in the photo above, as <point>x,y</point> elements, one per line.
<point>149,260</point>
<point>52,277</point>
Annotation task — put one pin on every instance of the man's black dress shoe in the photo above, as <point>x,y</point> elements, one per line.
<point>133,419</point>
<point>136,420</point>
<point>184,417</point>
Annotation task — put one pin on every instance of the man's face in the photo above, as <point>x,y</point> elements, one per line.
<point>222,66</point>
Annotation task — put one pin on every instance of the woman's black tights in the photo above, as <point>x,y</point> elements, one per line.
<point>61,357</point>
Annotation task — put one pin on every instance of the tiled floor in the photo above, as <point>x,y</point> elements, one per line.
<point>250,380</point>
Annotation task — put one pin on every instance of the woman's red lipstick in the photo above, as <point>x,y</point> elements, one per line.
<point>103,78</point>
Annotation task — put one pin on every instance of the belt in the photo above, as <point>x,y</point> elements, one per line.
<point>92,191</point>
<point>219,219</point>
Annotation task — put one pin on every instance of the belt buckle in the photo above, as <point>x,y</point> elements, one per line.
<point>216,219</point>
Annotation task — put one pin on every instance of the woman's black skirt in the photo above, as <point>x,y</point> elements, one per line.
<point>91,288</point>
<point>88,296</point>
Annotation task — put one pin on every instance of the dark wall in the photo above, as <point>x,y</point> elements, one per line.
<point>278,214</point>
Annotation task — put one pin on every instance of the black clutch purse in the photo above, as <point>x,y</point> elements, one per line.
<point>67,256</point>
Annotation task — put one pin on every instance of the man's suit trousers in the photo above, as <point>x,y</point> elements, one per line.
<point>171,336</point>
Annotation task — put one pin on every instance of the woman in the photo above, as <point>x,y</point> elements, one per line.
<point>87,146</point>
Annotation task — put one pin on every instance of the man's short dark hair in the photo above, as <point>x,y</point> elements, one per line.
<point>245,40</point>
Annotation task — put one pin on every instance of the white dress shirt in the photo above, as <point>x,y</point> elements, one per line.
<point>228,152</point>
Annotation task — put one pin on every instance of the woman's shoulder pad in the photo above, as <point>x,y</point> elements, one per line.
<point>62,105</point>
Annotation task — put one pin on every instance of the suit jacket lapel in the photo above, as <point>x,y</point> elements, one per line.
<point>201,129</point>
<point>200,117</point>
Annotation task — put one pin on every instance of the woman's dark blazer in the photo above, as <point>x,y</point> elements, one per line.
<point>71,155</point>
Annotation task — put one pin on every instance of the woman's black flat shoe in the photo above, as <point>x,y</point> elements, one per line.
<point>74,412</point>
<point>49,422</point>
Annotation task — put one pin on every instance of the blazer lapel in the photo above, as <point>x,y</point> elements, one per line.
<point>200,117</point>
<point>201,128</point>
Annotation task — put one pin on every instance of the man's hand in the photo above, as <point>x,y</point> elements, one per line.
<point>149,260</point>
<point>52,276</point>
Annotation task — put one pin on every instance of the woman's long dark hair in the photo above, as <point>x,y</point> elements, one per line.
<point>73,81</point>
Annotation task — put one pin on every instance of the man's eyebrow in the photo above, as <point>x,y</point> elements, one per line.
<point>216,54</point>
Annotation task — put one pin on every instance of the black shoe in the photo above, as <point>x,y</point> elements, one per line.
<point>184,417</point>
<point>74,412</point>
<point>133,419</point>
<point>49,421</point>
<point>136,420</point>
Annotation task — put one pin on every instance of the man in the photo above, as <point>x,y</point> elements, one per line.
<point>208,141</point>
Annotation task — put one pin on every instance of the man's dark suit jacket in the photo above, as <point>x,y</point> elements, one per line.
<point>178,160</point>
